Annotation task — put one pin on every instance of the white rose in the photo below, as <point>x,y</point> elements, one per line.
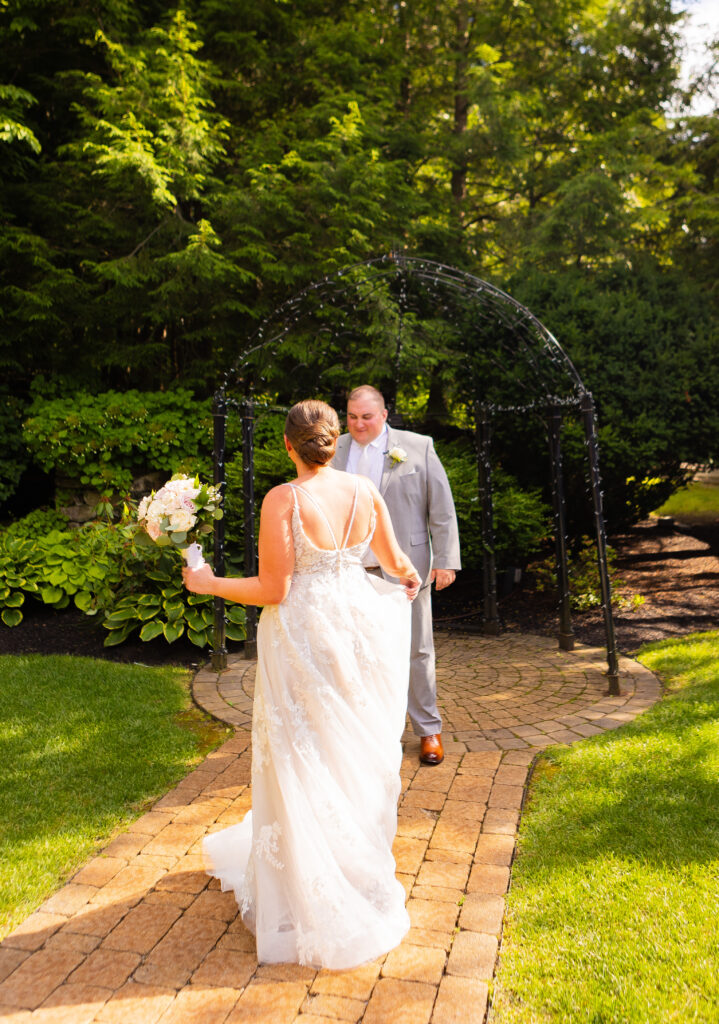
<point>397,454</point>
<point>184,487</point>
<point>181,521</point>
<point>155,510</point>
<point>143,506</point>
<point>154,514</point>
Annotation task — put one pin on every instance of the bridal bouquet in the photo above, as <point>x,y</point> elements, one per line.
<point>179,513</point>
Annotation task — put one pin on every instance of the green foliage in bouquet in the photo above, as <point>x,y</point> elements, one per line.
<point>105,440</point>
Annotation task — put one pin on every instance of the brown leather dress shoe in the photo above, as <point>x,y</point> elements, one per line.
<point>431,751</point>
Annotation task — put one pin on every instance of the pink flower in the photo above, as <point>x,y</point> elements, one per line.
<point>153,529</point>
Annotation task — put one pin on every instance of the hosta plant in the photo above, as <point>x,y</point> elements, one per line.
<point>102,572</point>
<point>57,567</point>
<point>164,608</point>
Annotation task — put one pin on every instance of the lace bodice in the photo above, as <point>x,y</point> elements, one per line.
<point>311,560</point>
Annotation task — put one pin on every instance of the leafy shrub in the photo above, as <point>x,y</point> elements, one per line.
<point>99,568</point>
<point>585,589</point>
<point>272,467</point>
<point>642,337</point>
<point>56,566</point>
<point>105,440</point>
<point>521,518</point>
<point>151,598</point>
<point>13,455</point>
<point>37,523</point>
<point>632,484</point>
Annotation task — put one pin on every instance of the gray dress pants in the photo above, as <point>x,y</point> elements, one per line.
<point>422,699</point>
<point>422,703</point>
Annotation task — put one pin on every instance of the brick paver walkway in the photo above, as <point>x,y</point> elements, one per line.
<point>141,935</point>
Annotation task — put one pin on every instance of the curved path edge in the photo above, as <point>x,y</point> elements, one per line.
<point>141,935</point>
<point>503,701</point>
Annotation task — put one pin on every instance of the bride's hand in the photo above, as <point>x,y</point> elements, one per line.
<point>411,586</point>
<point>199,581</point>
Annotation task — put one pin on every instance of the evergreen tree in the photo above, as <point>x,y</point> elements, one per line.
<point>172,174</point>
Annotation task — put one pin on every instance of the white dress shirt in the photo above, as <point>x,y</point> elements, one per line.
<point>372,456</point>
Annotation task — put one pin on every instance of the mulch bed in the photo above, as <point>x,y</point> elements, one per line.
<point>676,572</point>
<point>44,631</point>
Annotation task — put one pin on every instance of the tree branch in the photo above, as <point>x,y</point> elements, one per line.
<point>144,242</point>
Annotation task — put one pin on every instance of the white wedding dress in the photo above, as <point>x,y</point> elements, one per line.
<point>311,865</point>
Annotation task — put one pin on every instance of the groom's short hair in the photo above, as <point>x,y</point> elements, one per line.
<point>368,391</point>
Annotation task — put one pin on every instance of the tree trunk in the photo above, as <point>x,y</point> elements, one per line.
<point>461,107</point>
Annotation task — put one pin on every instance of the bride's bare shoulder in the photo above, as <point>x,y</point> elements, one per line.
<point>278,500</point>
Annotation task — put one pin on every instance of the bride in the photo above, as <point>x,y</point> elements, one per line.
<point>311,865</point>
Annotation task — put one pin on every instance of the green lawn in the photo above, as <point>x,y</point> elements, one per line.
<point>613,913</point>
<point>85,746</point>
<point>699,501</point>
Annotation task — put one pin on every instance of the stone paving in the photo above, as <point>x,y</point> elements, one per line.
<point>141,935</point>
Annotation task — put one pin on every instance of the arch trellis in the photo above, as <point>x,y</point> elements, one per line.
<point>417,327</point>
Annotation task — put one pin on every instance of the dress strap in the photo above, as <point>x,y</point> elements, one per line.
<point>297,487</point>
<point>352,517</point>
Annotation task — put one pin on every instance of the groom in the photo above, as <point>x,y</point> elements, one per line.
<point>405,468</point>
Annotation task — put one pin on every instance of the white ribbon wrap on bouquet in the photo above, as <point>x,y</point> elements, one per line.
<point>193,556</point>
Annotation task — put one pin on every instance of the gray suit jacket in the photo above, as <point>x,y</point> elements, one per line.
<point>419,500</point>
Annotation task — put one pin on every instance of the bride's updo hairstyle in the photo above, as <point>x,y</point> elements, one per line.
<point>312,428</point>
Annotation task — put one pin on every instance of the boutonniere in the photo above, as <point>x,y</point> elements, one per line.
<point>396,455</point>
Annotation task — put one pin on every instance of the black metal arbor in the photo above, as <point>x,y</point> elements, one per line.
<point>417,328</point>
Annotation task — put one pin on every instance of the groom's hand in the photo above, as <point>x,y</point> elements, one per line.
<point>443,578</point>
